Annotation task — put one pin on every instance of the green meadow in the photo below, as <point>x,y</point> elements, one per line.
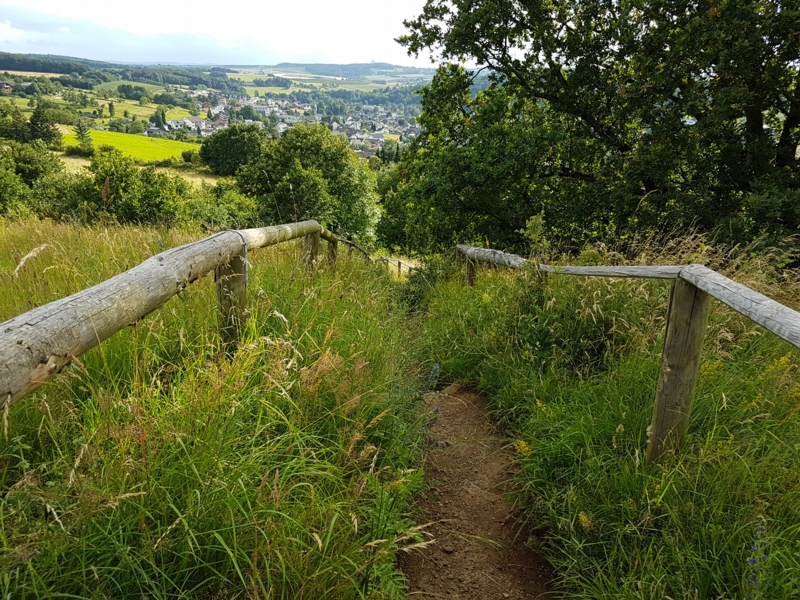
<point>139,147</point>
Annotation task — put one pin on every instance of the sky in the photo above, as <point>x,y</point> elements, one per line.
<point>211,32</point>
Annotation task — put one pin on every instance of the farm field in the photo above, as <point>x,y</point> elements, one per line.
<point>138,146</point>
<point>32,74</point>
<point>112,85</point>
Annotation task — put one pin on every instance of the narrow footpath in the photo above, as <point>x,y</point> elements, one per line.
<point>477,554</point>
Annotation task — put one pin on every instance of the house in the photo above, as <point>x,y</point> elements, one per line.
<point>207,106</point>
<point>7,87</point>
<point>282,127</point>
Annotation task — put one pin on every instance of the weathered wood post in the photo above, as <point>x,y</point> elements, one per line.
<point>311,248</point>
<point>231,280</point>
<point>472,272</point>
<point>332,248</point>
<point>687,317</point>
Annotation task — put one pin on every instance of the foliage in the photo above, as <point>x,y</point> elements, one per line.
<point>311,174</point>
<point>223,206</point>
<point>571,366</point>
<point>41,126</point>
<point>82,134</point>
<point>227,150</point>
<point>33,161</point>
<point>643,116</point>
<point>119,189</point>
<point>176,471</point>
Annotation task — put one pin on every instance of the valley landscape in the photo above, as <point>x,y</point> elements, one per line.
<point>521,323</point>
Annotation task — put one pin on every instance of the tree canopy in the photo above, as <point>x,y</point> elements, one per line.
<point>230,148</point>
<point>312,174</point>
<point>624,116</point>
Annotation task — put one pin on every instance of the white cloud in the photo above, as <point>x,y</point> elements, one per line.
<point>64,28</point>
<point>330,31</point>
<point>9,34</point>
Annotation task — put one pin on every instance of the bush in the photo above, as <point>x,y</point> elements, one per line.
<point>82,151</point>
<point>223,207</point>
<point>192,157</point>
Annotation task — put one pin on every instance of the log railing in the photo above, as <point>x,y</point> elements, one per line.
<point>693,286</point>
<point>400,264</point>
<point>37,344</point>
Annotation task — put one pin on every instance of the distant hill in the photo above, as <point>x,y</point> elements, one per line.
<point>51,63</point>
<point>355,70</point>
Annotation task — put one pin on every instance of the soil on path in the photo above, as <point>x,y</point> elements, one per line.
<point>478,553</point>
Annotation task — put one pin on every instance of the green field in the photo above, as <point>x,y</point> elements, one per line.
<point>137,146</point>
<point>112,85</point>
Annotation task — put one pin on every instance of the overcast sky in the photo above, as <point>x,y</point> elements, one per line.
<point>202,31</point>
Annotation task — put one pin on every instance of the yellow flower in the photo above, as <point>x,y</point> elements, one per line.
<point>781,364</point>
<point>586,522</point>
<point>522,447</point>
<point>541,406</point>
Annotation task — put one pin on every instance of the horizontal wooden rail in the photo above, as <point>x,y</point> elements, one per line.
<point>39,343</point>
<point>353,246</point>
<point>692,288</point>
<point>400,263</point>
<point>517,262</point>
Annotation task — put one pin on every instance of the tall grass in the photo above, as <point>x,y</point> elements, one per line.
<point>160,467</point>
<point>571,367</point>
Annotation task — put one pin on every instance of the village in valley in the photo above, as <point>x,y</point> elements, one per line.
<point>365,126</point>
<point>367,108</point>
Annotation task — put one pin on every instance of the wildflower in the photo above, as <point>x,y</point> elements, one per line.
<point>522,447</point>
<point>586,522</point>
<point>753,561</point>
<point>541,406</point>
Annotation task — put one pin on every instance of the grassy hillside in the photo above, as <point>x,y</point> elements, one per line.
<point>571,366</point>
<point>138,146</point>
<point>160,467</point>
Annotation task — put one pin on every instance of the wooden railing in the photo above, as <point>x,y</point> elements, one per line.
<point>687,315</point>
<point>400,264</point>
<point>37,344</point>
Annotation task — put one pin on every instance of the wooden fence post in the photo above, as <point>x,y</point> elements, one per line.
<point>471,272</point>
<point>687,317</point>
<point>231,280</point>
<point>311,249</point>
<point>332,248</point>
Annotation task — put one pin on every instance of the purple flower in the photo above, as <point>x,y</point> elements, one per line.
<point>752,561</point>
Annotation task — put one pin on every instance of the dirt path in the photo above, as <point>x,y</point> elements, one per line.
<point>475,555</point>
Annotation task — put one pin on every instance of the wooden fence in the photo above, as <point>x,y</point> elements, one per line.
<point>400,264</point>
<point>687,315</point>
<point>37,344</point>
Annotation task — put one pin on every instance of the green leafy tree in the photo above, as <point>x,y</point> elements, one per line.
<point>682,113</point>
<point>42,127</point>
<point>310,173</point>
<point>34,161</point>
<point>227,150</point>
<point>111,109</point>
<point>13,124</point>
